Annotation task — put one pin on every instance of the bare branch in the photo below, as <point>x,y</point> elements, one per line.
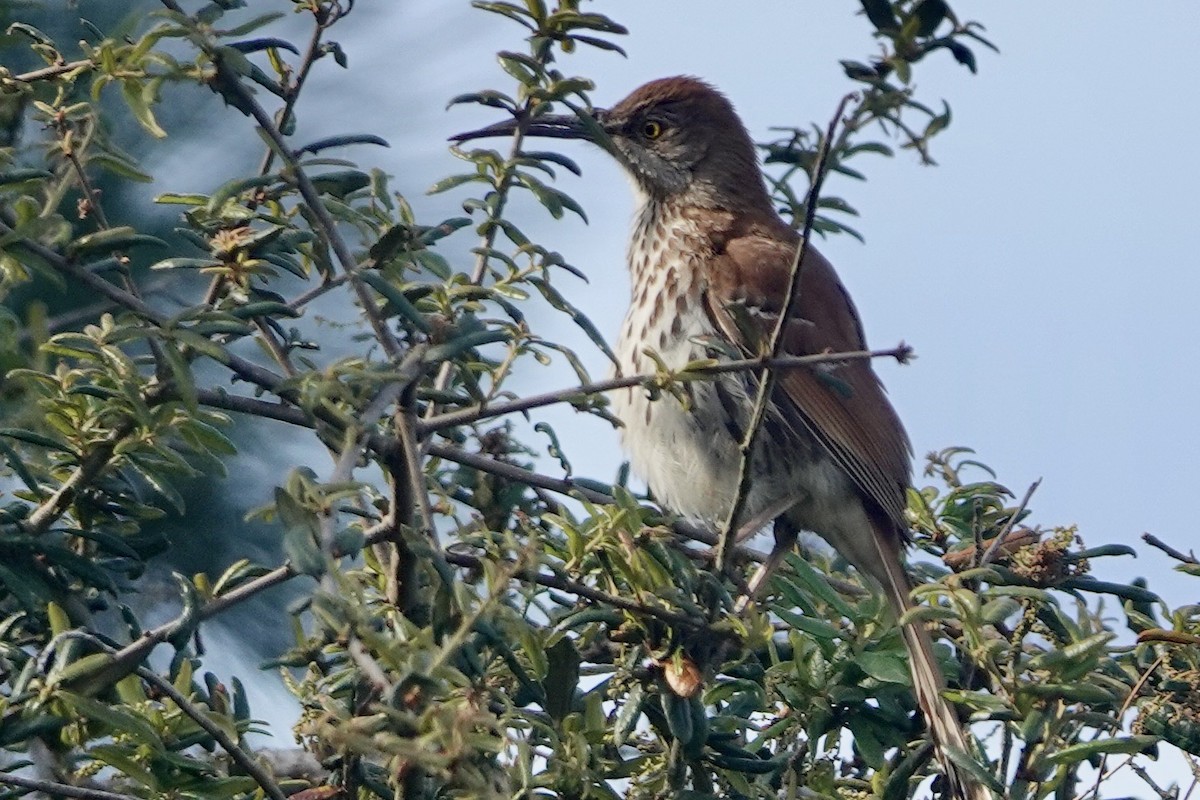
<point>766,378</point>
<point>53,70</point>
<point>55,789</point>
<point>1154,541</point>
<point>901,353</point>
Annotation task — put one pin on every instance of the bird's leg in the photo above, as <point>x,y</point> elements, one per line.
<point>785,539</point>
<point>760,520</point>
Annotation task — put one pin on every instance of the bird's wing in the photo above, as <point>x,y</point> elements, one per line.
<point>843,405</point>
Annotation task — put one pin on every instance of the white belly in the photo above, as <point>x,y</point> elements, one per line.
<point>690,457</point>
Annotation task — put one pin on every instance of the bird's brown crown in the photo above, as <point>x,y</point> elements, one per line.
<point>693,91</point>
<point>681,139</point>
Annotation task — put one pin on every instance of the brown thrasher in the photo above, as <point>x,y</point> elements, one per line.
<point>710,261</point>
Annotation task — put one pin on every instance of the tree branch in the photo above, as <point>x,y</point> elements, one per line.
<point>53,70</point>
<point>55,789</point>
<point>766,378</point>
<point>661,380</point>
<point>1154,541</point>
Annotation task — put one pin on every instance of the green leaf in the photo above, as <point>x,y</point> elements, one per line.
<point>138,96</point>
<point>976,770</point>
<point>1071,692</point>
<point>108,542</point>
<point>511,63</point>
<point>441,231</point>
<point>629,713</point>
<point>678,712</point>
<point>962,54</point>
<point>559,303</point>
<point>342,141</point>
<point>400,304</point>
<point>28,588</point>
<point>490,98</point>
<point>562,677</point>
<point>185,263</point>
<point>817,585</point>
<point>254,24</point>
<point>879,12</point>
<point>453,181</point>
<point>300,535</point>
<point>866,741</point>
<point>174,198</point>
<point>451,349</point>
<point>18,176</point>
<point>341,183</point>
<point>265,308</point>
<point>121,758</point>
<point>1116,744</point>
<point>18,466</point>
<point>236,574</point>
<point>555,158</point>
<point>930,14</point>
<point>552,199</point>
<point>1086,583</point>
<point>119,167</point>
<point>887,667</point>
<point>108,241</point>
<point>41,440</point>
<point>817,628</point>
<point>114,719</point>
<point>1084,650</point>
<point>600,44</point>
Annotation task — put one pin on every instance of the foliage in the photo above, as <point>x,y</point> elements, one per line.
<point>476,628</point>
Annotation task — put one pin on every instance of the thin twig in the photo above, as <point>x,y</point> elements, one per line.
<point>552,581</point>
<point>90,192</point>
<point>1154,541</point>
<point>55,789</point>
<point>243,759</point>
<point>485,246</point>
<point>990,553</point>
<point>1129,699</point>
<point>52,71</point>
<point>385,446</point>
<point>90,467</point>
<point>572,394</point>
<point>410,446</point>
<point>766,378</point>
<point>1165,794</point>
<point>307,297</point>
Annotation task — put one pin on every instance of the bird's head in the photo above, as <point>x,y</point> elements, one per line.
<point>678,138</point>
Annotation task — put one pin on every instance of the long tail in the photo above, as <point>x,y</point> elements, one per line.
<point>928,681</point>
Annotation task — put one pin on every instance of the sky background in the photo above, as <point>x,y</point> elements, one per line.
<point>1045,272</point>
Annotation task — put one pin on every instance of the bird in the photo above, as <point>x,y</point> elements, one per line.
<point>710,262</point>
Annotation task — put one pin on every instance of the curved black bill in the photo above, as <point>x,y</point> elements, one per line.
<point>554,126</point>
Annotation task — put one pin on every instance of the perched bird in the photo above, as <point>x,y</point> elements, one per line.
<point>710,261</point>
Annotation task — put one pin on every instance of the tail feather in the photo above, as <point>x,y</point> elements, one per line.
<point>928,680</point>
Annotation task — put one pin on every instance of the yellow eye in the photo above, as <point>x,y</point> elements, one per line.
<point>652,129</point>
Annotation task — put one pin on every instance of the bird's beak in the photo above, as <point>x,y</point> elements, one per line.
<point>589,127</point>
